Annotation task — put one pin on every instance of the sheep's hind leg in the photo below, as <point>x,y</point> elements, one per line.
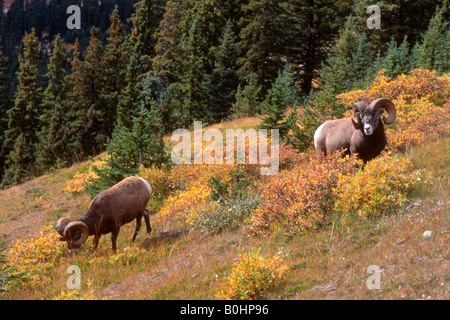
<point>147,221</point>
<point>95,242</point>
<point>114,235</point>
<point>138,226</point>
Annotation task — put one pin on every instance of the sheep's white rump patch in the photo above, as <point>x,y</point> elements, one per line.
<point>317,133</point>
<point>149,187</point>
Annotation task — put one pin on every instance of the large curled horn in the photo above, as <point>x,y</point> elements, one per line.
<point>356,114</point>
<point>71,228</point>
<point>61,225</point>
<point>388,105</point>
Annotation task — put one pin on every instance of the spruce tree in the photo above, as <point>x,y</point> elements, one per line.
<point>53,134</point>
<point>430,55</point>
<point>282,95</point>
<point>348,65</point>
<point>262,40</point>
<point>397,60</point>
<point>129,148</point>
<point>247,98</point>
<point>76,105</point>
<point>23,117</point>
<point>168,58</point>
<point>223,79</point>
<point>5,104</point>
<point>194,79</point>
<point>113,69</point>
<point>127,105</point>
<point>145,22</point>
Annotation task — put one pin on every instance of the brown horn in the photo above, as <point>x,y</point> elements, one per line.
<point>61,225</point>
<point>74,226</point>
<point>356,115</point>
<point>388,105</point>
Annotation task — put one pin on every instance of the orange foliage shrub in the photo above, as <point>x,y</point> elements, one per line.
<point>426,128</point>
<point>418,99</point>
<point>298,200</point>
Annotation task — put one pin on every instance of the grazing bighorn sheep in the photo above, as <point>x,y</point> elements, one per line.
<point>108,211</point>
<point>363,135</point>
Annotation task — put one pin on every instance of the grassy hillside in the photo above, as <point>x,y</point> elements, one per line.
<point>329,263</point>
<point>224,231</point>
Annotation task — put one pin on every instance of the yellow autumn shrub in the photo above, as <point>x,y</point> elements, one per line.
<point>253,277</point>
<point>37,256</point>
<point>76,185</point>
<point>421,83</point>
<point>378,189</point>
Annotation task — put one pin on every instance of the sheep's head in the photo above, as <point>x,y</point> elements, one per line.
<point>75,233</point>
<point>367,118</point>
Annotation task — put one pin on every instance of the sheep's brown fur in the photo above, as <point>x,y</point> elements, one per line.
<point>363,135</point>
<point>109,210</point>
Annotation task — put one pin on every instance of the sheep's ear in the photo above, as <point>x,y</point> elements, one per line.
<point>356,120</point>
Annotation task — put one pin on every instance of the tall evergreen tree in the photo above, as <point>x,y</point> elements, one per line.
<point>283,94</point>
<point>312,26</point>
<point>223,80</point>
<point>145,22</point>
<point>5,104</point>
<point>129,95</point>
<point>348,65</point>
<point>168,58</point>
<point>397,60</point>
<point>247,98</point>
<point>23,117</point>
<point>262,40</point>
<point>76,105</point>
<point>53,134</point>
<point>194,79</point>
<point>435,40</point>
<point>113,69</point>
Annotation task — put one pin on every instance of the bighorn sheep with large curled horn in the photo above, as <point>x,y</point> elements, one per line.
<point>363,135</point>
<point>109,210</point>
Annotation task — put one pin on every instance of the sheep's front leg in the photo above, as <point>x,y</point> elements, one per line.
<point>147,221</point>
<point>114,235</point>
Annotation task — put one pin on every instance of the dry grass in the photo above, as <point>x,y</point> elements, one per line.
<point>329,263</point>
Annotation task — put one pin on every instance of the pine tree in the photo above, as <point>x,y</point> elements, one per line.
<point>262,40</point>
<point>397,60</point>
<point>5,104</point>
<point>129,95</point>
<point>223,79</point>
<point>348,65</point>
<point>53,134</point>
<point>76,105</point>
<point>23,117</point>
<point>430,55</point>
<point>113,69</point>
<point>145,22</point>
<point>194,78</point>
<point>88,129</point>
<point>167,61</point>
<point>247,98</point>
<point>129,148</point>
<point>312,26</point>
<point>282,95</point>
